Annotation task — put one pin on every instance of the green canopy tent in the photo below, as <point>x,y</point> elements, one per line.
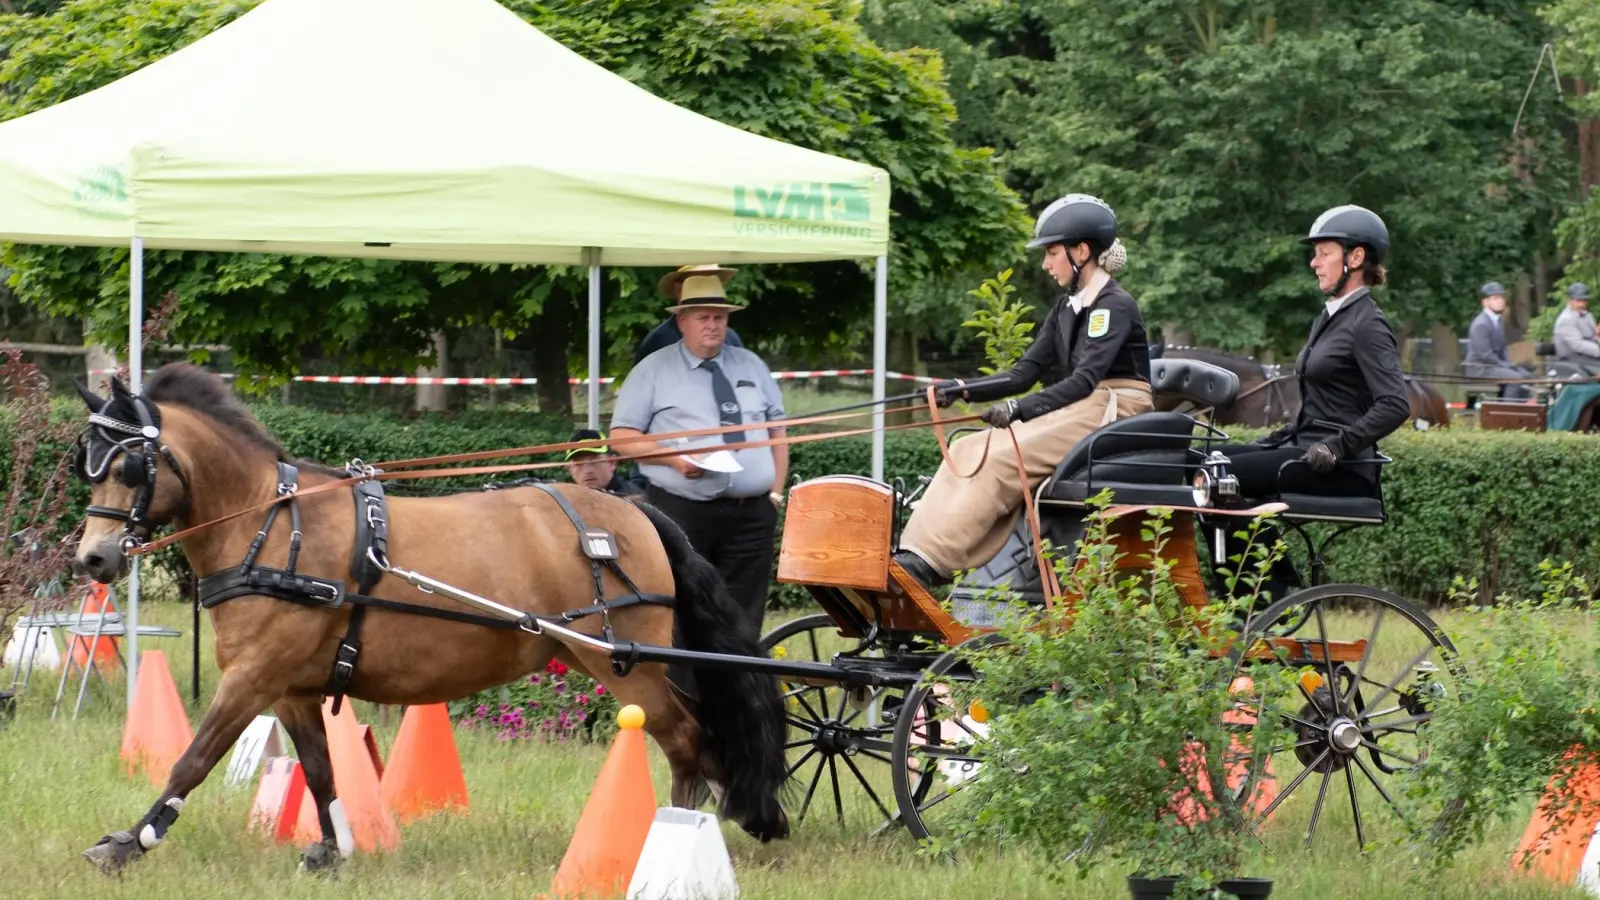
<point>408,129</point>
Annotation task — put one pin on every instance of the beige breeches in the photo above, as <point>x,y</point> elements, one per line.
<point>961,523</point>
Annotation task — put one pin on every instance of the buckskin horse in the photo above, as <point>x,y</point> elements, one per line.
<point>1270,396</point>
<point>289,631</point>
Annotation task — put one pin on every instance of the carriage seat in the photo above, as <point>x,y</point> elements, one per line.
<point>1144,459</point>
<point>1200,383</point>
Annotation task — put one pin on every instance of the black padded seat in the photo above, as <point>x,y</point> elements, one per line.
<point>1201,383</point>
<point>1144,459</point>
<point>1326,508</point>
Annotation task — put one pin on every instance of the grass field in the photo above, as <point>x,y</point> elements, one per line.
<point>63,787</point>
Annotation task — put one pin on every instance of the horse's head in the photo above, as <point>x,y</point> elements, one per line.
<point>136,484</point>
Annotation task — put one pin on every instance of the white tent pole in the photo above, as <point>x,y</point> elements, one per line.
<point>594,337</point>
<point>135,381</point>
<point>880,360</point>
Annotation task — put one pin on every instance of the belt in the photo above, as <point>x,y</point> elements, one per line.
<point>712,501</point>
<point>1111,401</point>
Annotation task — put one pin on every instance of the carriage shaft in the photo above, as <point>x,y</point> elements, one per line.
<point>628,653</point>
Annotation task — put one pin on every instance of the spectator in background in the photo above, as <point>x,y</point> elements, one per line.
<point>1574,335</point>
<point>1486,345</point>
<point>700,381</point>
<point>666,334</point>
<point>596,467</point>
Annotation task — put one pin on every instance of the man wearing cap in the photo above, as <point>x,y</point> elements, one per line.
<point>1486,345</point>
<point>729,512</point>
<point>1574,335</point>
<point>595,467</point>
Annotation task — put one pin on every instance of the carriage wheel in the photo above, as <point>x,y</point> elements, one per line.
<point>836,732</point>
<point>1356,718</point>
<point>934,747</point>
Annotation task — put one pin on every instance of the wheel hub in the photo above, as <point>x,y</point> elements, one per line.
<point>1344,736</point>
<point>833,739</point>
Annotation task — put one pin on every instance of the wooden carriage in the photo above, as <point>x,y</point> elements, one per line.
<point>838,540</point>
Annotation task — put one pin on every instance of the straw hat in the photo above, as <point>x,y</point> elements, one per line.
<point>700,285</point>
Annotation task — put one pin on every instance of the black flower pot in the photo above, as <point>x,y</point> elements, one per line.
<point>1160,888</point>
<point>1151,888</point>
<point>1247,888</point>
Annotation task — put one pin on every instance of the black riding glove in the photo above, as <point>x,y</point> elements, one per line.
<point>944,393</point>
<point>1320,457</point>
<point>1001,414</point>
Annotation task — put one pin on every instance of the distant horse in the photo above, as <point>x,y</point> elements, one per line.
<point>185,451</point>
<point>1270,395</point>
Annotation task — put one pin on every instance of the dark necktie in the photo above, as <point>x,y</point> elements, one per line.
<point>727,401</point>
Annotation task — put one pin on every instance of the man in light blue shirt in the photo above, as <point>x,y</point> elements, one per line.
<point>700,382</point>
<point>1486,345</point>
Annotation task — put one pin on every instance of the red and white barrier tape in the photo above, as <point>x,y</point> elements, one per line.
<point>507,382</point>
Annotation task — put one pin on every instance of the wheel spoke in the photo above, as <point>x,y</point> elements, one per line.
<point>838,801</point>
<point>1361,667</point>
<point>1400,756</point>
<point>1410,826</point>
<point>867,787</point>
<point>1284,795</point>
<point>1327,661</point>
<point>1409,667</point>
<point>1316,810</point>
<point>1355,809</point>
<point>800,762</point>
<point>815,780</point>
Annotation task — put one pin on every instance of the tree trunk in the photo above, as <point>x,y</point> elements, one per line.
<point>552,331</point>
<point>435,397</point>
<point>1588,149</point>
<point>98,364</point>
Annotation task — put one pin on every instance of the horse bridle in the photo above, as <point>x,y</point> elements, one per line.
<point>140,444</point>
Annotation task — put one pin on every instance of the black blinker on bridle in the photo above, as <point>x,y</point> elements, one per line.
<point>139,444</point>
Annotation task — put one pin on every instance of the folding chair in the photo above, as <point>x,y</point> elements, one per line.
<point>108,623</point>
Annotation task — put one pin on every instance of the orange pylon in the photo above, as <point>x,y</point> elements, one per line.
<point>424,773</point>
<point>611,832</point>
<point>1557,849</point>
<point>157,731</point>
<point>105,648</point>
<point>276,808</point>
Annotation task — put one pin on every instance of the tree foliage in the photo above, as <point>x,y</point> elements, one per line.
<point>1220,129</point>
<point>801,71</point>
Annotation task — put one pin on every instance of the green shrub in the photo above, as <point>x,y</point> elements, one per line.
<point>1481,505</point>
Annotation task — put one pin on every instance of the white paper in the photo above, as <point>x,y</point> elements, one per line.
<point>720,461</point>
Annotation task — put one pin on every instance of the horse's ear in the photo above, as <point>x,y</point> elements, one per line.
<point>119,390</point>
<point>94,401</point>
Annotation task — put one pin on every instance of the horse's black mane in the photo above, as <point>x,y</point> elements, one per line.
<point>188,385</point>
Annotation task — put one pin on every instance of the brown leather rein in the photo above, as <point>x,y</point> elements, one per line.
<point>380,471</point>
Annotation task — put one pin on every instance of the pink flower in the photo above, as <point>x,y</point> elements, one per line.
<point>583,699</point>
<point>556,667</point>
<point>599,690</point>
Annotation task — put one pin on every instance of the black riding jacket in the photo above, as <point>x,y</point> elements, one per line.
<point>1352,391</point>
<point>1106,340</point>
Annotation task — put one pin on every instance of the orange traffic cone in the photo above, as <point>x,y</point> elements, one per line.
<point>1560,840</point>
<point>611,832</point>
<point>424,773</point>
<point>157,731</point>
<point>355,781</point>
<point>276,809</point>
<point>370,741</point>
<point>105,648</point>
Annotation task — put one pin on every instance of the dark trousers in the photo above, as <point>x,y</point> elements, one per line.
<point>735,535</point>
<point>1257,469</point>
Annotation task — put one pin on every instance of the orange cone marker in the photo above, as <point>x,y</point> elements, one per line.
<point>157,731</point>
<point>424,773</point>
<point>360,799</point>
<point>611,832</point>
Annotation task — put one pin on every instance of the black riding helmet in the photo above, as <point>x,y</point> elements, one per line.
<point>1352,226</point>
<point>1075,219</point>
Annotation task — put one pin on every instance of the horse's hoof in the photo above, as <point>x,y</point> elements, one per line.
<point>321,858</point>
<point>113,852</point>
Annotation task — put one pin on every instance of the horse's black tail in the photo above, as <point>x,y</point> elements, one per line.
<point>740,713</point>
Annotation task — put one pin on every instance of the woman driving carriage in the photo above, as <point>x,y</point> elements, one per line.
<point>1352,391</point>
<point>1095,334</point>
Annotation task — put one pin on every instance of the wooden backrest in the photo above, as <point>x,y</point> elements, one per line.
<point>837,531</point>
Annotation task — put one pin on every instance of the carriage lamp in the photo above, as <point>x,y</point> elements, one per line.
<point>978,712</point>
<point>1202,487</point>
<point>1311,681</point>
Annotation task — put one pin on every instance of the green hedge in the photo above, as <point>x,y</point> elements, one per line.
<point>1473,504</point>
